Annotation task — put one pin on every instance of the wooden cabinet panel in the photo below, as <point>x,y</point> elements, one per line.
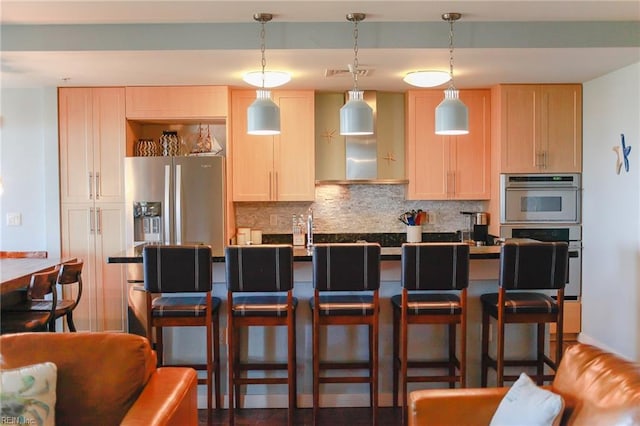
<point>448,167</point>
<point>176,102</point>
<point>92,233</point>
<point>540,128</point>
<point>294,147</point>
<point>274,168</point>
<point>92,144</point>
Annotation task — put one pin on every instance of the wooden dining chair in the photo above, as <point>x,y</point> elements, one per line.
<point>26,316</point>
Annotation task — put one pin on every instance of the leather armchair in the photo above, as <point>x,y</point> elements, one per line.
<point>598,388</point>
<point>107,378</point>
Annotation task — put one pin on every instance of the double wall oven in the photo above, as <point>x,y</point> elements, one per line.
<point>545,207</point>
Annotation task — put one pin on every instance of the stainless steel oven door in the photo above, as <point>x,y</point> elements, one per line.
<point>521,205</point>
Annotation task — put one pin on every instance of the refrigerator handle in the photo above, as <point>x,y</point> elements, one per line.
<point>166,209</point>
<point>178,223</point>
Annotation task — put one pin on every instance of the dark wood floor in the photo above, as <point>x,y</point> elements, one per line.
<point>328,416</point>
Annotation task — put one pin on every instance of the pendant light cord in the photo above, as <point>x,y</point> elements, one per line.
<point>451,85</point>
<point>355,54</point>
<point>262,49</point>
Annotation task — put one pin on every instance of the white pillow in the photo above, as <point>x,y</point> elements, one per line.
<point>28,394</point>
<point>526,404</point>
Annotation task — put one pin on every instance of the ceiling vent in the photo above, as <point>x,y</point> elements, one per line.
<point>362,72</point>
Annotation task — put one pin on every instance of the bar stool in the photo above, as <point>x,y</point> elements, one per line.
<point>346,280</point>
<point>70,281</point>
<point>23,317</point>
<point>260,293</point>
<point>435,277</point>
<point>184,269</point>
<point>525,266</point>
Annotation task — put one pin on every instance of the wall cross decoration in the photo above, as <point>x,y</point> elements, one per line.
<point>329,134</point>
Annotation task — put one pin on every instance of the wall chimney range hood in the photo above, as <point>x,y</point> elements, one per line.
<point>362,153</point>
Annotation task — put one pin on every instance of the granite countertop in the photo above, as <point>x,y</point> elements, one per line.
<point>391,246</point>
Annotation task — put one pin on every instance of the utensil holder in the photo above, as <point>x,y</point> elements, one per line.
<point>414,233</point>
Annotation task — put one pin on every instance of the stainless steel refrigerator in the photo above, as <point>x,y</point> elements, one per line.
<point>171,200</point>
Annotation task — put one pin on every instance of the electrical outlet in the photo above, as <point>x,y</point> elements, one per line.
<point>431,217</point>
<point>14,219</point>
<point>273,220</point>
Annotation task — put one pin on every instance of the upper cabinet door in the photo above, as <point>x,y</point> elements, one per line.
<point>448,167</point>
<point>540,128</point>
<point>294,149</point>
<point>561,127</point>
<point>251,156</point>
<point>92,132</point>
<point>109,143</point>
<point>471,154</point>
<point>274,168</point>
<point>177,102</point>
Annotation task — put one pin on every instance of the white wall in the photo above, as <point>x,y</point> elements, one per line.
<point>29,169</point>
<point>611,213</point>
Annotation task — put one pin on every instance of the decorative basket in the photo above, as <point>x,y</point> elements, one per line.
<point>147,148</point>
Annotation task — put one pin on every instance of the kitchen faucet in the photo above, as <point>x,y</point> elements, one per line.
<point>309,228</point>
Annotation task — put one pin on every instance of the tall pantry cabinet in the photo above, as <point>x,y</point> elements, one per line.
<point>92,149</point>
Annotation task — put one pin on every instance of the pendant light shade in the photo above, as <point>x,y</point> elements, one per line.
<point>356,116</point>
<point>452,116</point>
<point>263,115</point>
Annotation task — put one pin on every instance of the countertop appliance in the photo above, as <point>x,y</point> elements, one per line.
<point>540,198</point>
<point>171,200</point>
<point>571,233</point>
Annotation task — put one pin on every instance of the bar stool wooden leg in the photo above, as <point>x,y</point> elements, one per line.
<point>484,362</point>
<point>463,339</point>
<point>231,343</point>
<point>452,353</point>
<point>374,374</point>
<point>209,370</point>
<point>316,360</point>
<point>291,368</point>
<point>237,372</point>
<point>216,359</point>
<point>540,354</point>
<point>396,350</point>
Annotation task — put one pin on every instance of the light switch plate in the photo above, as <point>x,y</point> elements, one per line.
<point>273,220</point>
<point>14,219</point>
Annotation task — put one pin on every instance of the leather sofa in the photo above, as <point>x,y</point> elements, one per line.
<point>598,388</point>
<point>107,378</point>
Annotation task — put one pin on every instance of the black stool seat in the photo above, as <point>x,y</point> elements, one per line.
<point>432,304</point>
<point>340,304</point>
<point>247,306</point>
<point>167,306</point>
<point>520,303</point>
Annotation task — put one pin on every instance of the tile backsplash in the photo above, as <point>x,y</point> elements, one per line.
<point>355,209</point>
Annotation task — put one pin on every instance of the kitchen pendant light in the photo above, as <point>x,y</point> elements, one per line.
<point>452,116</point>
<point>263,115</point>
<point>356,116</point>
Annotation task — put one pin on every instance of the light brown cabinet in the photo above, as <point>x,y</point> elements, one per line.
<point>274,168</point>
<point>448,167</point>
<point>176,102</point>
<point>540,127</point>
<point>92,133</point>
<point>92,146</point>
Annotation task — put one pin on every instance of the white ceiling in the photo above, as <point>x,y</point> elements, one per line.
<point>215,42</point>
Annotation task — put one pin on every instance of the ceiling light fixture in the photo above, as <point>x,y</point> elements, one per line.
<point>452,116</point>
<point>427,78</point>
<point>263,115</point>
<point>267,79</point>
<point>356,116</point>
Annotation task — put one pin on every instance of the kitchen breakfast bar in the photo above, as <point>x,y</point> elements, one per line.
<point>347,343</point>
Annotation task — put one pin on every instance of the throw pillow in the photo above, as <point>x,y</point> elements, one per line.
<point>28,395</point>
<point>526,404</point>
